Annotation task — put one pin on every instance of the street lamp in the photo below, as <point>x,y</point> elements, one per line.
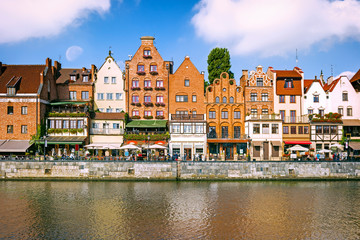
<point>348,148</point>
<point>45,145</point>
<point>148,138</point>
<point>249,140</point>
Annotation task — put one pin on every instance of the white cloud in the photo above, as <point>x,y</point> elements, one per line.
<point>24,19</point>
<point>73,53</point>
<point>349,74</point>
<point>276,27</point>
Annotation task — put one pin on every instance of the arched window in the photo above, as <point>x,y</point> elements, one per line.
<point>224,99</point>
<point>217,99</point>
<point>231,100</point>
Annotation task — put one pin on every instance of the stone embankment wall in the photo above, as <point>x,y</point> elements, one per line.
<point>178,170</point>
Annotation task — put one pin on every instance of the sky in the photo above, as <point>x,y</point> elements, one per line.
<point>315,35</point>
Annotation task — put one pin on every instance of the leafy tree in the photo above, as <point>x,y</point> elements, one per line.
<point>219,62</point>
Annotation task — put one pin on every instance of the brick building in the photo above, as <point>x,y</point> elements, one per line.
<point>25,90</point>
<point>147,82</point>
<point>226,114</point>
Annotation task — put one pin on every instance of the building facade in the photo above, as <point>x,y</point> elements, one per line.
<point>225,111</point>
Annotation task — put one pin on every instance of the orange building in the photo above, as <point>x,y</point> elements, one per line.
<point>187,90</point>
<point>226,114</point>
<point>147,82</point>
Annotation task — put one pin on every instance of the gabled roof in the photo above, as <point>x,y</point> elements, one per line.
<point>65,74</point>
<point>282,74</point>
<point>355,77</point>
<point>25,77</point>
<point>330,87</point>
<point>307,84</point>
<point>109,116</point>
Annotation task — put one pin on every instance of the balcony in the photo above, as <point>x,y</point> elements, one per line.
<point>107,131</point>
<point>187,117</point>
<point>67,131</point>
<point>263,117</point>
<point>302,119</point>
<point>213,135</point>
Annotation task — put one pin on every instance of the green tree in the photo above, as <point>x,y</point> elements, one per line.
<point>219,62</point>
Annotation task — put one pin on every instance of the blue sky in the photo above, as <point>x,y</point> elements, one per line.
<point>325,33</point>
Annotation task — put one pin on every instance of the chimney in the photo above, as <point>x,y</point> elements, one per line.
<point>245,74</point>
<point>93,71</point>
<point>147,40</point>
<point>57,65</point>
<point>48,62</point>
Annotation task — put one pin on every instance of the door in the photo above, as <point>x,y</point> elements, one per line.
<point>266,151</point>
<point>229,151</point>
<point>187,153</point>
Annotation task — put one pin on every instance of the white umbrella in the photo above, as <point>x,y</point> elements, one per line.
<point>324,151</point>
<point>157,146</point>
<point>337,145</point>
<point>298,148</point>
<point>130,146</point>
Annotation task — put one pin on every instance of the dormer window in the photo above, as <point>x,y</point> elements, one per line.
<point>85,78</point>
<point>72,77</point>
<point>147,53</point>
<point>11,91</point>
<point>289,83</point>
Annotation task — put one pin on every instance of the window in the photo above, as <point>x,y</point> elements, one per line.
<point>310,111</point>
<point>159,99</point>
<point>11,91</point>
<point>349,111</point>
<point>253,111</point>
<point>187,128</point>
<point>345,96</point>
<point>265,128</point>
<point>237,132</point>
<point>282,114</point>
<point>100,96</point>
<point>264,97</point>
<point>292,99</point>
<point>333,129</point>
<point>135,83</point>
<point>300,130</point>
<point>281,99</point>
<point>318,129</point>
<point>85,78</point>
<point>306,129</point>
<point>224,132</point>
<point>85,95</point>
<point>135,99</point>
<point>265,111</point>
<point>231,100</point>
<point>194,98</point>
<point>147,99</point>
<point>259,82</point>
<point>316,98</point>
<point>10,129</point>
<point>73,77</point>
<point>256,128</point>
<point>159,83</point>
<point>113,80</point>
<point>199,128</point>
<point>275,128</point>
<point>237,114</point>
<point>72,95</point>
<point>101,109</point>
<point>147,83</point>
<point>224,99</point>
<point>95,125</point>
<point>58,123</point>
<point>292,116</point>
<point>153,68</point>
<point>285,129</point>
<point>212,115</point>
<point>141,68</point>
<point>106,80</point>
<point>194,113</point>
<point>24,110</point>
<point>147,113</point>
<point>10,110</point>
<point>212,132</point>
<point>65,124</point>
<point>326,129</point>
<point>118,96</point>
<point>159,113</point>
<point>341,110</point>
<point>147,53</point>
<point>253,97</point>
<point>217,99</point>
<point>109,110</point>
<point>23,128</point>
<point>52,123</point>
<point>175,128</point>
<point>116,125</point>
<point>224,114</point>
<point>289,83</point>
<point>181,98</point>
<point>135,112</point>
<point>118,109</point>
<point>181,112</point>
<point>80,123</point>
<point>187,82</point>
<point>109,96</point>
<point>321,112</point>
<point>293,129</point>
<point>224,89</point>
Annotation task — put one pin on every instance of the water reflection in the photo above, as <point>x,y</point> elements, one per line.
<point>180,210</point>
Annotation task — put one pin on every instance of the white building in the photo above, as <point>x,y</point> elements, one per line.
<point>188,136</point>
<point>109,92</point>
<point>265,132</point>
<point>316,100</point>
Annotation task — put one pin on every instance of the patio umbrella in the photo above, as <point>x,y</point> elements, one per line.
<point>298,148</point>
<point>156,146</point>
<point>324,151</point>
<point>337,145</point>
<point>130,146</point>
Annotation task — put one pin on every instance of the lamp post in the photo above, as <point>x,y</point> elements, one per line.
<point>45,145</point>
<point>249,140</point>
<point>148,138</point>
<point>348,148</point>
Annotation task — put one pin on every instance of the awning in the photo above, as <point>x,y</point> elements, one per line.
<point>355,145</point>
<point>351,122</point>
<point>298,142</point>
<point>257,143</point>
<point>14,146</point>
<point>71,140</point>
<point>276,143</point>
<point>147,124</point>
<point>67,103</point>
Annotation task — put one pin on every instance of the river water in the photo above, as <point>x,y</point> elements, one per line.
<point>179,210</point>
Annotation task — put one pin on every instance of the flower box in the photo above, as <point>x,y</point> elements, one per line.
<point>140,73</point>
<point>160,104</point>
<point>147,56</point>
<point>159,117</point>
<point>148,117</point>
<point>138,104</point>
<point>148,104</point>
<point>135,117</point>
<point>135,88</point>
<point>154,73</point>
<point>148,88</point>
<point>160,88</point>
